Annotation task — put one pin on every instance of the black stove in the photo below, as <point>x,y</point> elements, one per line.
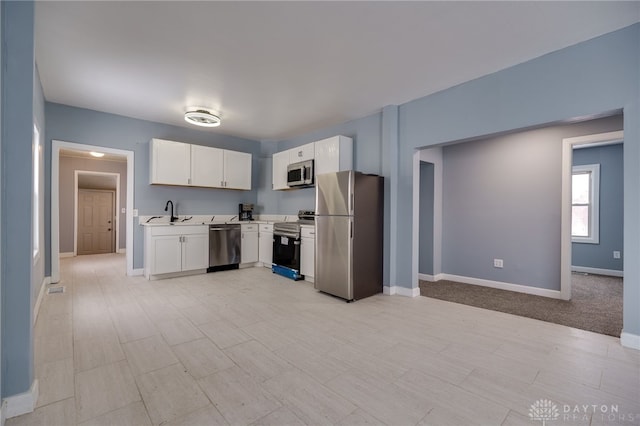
<point>286,245</point>
<point>292,229</point>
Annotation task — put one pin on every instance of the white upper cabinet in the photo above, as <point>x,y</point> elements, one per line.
<point>333,155</point>
<point>237,170</point>
<point>301,153</point>
<point>207,165</point>
<point>279,170</point>
<point>330,155</point>
<point>177,163</point>
<point>170,162</point>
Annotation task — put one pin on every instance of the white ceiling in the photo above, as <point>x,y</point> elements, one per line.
<point>93,181</point>
<point>278,69</point>
<point>87,155</point>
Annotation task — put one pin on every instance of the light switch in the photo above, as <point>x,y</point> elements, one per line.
<point>135,212</point>
<point>123,210</point>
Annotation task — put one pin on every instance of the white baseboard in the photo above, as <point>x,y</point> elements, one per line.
<point>22,403</point>
<point>554,294</point>
<point>427,277</point>
<point>137,272</point>
<point>121,251</point>
<point>401,291</point>
<point>36,309</point>
<point>597,271</point>
<point>629,340</point>
<point>69,254</point>
<point>3,410</point>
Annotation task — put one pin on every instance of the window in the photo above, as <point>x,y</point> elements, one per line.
<point>35,206</point>
<point>585,204</point>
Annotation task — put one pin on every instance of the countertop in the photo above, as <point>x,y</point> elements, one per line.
<point>206,220</point>
<point>195,220</point>
<point>198,223</point>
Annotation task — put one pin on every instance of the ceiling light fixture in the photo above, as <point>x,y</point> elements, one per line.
<point>201,117</point>
<point>97,154</point>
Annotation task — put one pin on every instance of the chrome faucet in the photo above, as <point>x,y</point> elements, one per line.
<point>166,207</point>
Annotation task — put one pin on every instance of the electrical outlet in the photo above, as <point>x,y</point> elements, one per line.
<point>123,210</point>
<point>498,263</point>
<point>616,254</point>
<point>135,212</point>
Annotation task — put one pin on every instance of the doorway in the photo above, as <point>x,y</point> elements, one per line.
<point>128,156</point>
<point>97,226</point>
<point>567,239</point>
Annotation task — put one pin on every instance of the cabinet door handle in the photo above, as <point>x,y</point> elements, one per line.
<point>189,181</point>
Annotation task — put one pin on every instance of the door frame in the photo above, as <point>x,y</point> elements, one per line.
<point>116,215</point>
<point>568,144</point>
<point>56,146</point>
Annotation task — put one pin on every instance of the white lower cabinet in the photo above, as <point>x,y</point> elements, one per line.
<point>307,252</point>
<point>195,251</point>
<point>171,249</point>
<point>249,243</point>
<point>265,244</point>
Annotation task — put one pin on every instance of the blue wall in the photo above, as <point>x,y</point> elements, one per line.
<point>600,255</point>
<point>1,197</point>
<point>88,127</point>
<point>17,134</point>
<point>589,78</point>
<point>426,218</point>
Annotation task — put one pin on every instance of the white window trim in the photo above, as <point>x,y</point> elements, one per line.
<point>35,194</point>
<point>594,204</point>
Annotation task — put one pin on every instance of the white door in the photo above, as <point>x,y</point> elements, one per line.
<point>207,166</point>
<point>167,254</point>
<point>195,252</point>
<point>237,170</point>
<point>170,162</point>
<point>249,247</point>
<point>265,248</point>
<point>279,170</point>
<point>95,218</point>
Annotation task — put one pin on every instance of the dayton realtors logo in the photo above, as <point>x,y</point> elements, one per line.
<point>544,410</point>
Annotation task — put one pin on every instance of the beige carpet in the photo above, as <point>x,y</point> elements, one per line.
<point>595,305</point>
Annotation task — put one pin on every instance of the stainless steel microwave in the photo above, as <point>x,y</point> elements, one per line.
<point>300,174</point>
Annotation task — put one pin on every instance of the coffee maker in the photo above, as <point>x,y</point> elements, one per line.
<point>245,211</point>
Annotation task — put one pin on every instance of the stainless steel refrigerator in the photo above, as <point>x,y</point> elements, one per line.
<point>349,226</point>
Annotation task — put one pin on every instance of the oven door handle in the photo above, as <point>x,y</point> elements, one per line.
<point>286,234</point>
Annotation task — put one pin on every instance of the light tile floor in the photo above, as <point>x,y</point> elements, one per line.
<point>249,347</point>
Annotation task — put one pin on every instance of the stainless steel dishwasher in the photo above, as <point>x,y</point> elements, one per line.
<point>224,247</point>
